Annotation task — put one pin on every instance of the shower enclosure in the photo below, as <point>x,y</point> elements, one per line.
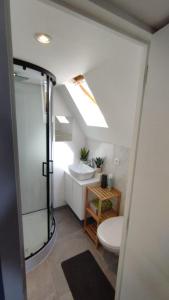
<point>33,108</point>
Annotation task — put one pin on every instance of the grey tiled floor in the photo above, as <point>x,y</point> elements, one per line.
<point>47,281</point>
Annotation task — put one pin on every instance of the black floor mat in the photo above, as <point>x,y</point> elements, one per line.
<point>85,278</point>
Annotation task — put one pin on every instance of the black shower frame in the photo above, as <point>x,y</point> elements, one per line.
<point>52,78</point>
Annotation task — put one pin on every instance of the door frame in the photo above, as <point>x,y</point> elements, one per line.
<point>132,166</point>
<point>7,67</point>
<point>11,237</point>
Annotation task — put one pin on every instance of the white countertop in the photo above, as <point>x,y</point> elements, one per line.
<point>84,182</point>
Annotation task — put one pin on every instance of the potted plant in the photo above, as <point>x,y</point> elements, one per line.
<point>99,163</point>
<point>84,153</point>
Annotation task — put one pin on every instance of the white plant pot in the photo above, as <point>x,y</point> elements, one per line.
<point>98,170</point>
<point>83,161</point>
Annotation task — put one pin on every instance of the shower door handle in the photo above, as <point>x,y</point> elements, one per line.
<point>50,166</point>
<point>44,168</point>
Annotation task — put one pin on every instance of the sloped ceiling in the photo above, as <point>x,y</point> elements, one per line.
<point>115,85</point>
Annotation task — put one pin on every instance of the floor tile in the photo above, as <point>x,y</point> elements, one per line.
<point>47,281</point>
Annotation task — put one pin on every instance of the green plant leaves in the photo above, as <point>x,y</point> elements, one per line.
<point>99,161</point>
<point>84,153</point>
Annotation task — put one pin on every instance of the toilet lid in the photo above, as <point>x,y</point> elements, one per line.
<point>110,232</point>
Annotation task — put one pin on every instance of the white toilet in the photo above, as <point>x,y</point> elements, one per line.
<point>109,233</point>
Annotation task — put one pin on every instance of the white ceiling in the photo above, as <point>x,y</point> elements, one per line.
<point>152,13</point>
<point>77,46</point>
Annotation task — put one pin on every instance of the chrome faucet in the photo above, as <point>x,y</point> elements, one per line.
<point>91,163</point>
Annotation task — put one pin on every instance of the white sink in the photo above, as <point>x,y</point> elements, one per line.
<point>81,171</point>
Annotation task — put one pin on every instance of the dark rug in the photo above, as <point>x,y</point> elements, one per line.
<point>85,278</point>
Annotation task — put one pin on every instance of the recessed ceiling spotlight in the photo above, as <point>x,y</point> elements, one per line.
<point>43,38</point>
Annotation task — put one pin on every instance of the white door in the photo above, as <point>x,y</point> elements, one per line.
<point>145,274</point>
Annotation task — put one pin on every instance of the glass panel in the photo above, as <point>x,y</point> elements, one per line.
<point>30,104</point>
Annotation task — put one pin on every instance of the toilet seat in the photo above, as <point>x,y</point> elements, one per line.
<point>109,233</point>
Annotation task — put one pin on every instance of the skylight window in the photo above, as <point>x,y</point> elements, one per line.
<point>85,102</point>
<point>62,119</point>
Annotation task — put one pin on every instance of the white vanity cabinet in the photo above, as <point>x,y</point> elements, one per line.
<point>75,194</point>
<point>78,200</point>
<point>68,189</point>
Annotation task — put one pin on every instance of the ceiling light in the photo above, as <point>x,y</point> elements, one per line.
<point>43,38</point>
<point>62,119</point>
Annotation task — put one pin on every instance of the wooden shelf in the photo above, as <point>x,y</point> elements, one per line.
<point>92,213</point>
<point>102,195</point>
<point>105,215</point>
<point>108,214</point>
<point>91,229</point>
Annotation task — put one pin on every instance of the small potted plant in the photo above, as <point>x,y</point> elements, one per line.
<point>84,153</point>
<point>99,164</point>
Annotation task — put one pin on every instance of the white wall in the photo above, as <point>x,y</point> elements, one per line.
<point>115,84</point>
<point>146,261</point>
<point>120,172</point>
<point>64,153</point>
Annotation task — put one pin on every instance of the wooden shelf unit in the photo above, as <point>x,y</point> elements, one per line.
<point>91,230</point>
<point>102,195</point>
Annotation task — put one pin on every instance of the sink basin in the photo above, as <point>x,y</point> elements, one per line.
<point>81,171</point>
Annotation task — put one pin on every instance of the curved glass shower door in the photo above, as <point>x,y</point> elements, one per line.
<point>32,119</point>
<point>50,202</point>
